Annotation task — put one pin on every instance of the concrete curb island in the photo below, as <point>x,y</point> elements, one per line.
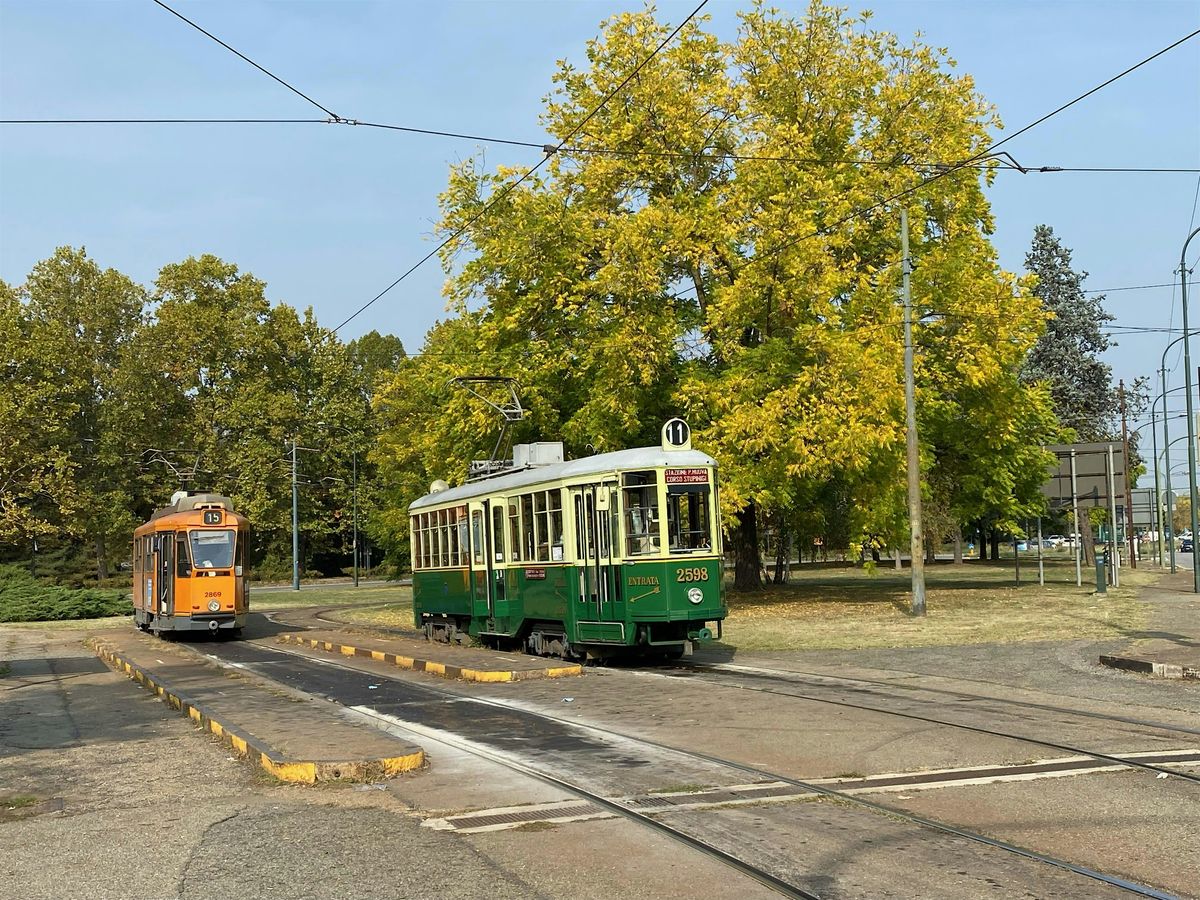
<point>432,667</point>
<point>245,744</point>
<point>1149,667</point>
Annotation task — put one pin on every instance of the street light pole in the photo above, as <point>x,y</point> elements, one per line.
<point>916,542</point>
<point>354,490</point>
<point>1187,372</point>
<point>295,522</point>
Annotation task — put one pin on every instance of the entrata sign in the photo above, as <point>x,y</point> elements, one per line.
<point>687,476</point>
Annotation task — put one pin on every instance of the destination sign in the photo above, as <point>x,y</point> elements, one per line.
<point>535,574</point>
<point>687,476</point>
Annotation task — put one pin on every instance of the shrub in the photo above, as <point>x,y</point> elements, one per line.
<point>24,598</point>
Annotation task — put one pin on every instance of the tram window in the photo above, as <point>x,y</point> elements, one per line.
<point>556,525</point>
<point>147,554</point>
<point>183,564</point>
<point>477,537</point>
<point>541,526</point>
<point>640,495</point>
<point>459,558</point>
<point>418,541</point>
<point>527,527</point>
<point>239,554</point>
<point>212,548</point>
<point>514,529</point>
<point>687,517</point>
<point>498,533</point>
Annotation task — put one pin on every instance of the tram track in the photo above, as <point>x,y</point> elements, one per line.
<point>782,886</point>
<point>931,720</point>
<point>796,676</point>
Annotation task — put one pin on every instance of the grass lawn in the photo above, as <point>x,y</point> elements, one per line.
<point>316,595</point>
<point>973,603</point>
<point>844,607</point>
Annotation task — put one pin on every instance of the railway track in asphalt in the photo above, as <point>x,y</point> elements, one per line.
<point>800,676</point>
<point>501,732</point>
<point>738,681</point>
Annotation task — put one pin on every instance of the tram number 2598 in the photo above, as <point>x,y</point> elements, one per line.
<point>689,575</point>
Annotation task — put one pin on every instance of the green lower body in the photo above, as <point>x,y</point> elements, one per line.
<point>563,609</point>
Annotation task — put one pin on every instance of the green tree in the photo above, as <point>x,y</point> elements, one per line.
<point>35,470</point>
<point>79,319</point>
<point>663,264</point>
<point>1067,356</point>
<point>232,379</point>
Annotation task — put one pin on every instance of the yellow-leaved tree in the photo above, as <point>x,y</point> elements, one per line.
<point>712,243</point>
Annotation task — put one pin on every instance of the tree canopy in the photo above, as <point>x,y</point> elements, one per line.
<point>701,249</point>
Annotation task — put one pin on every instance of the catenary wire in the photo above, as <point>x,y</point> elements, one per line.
<point>570,151</point>
<point>269,74</point>
<point>511,187</point>
<point>942,174</point>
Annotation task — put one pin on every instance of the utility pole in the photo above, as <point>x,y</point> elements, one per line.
<point>917,543</point>
<point>1191,424</point>
<point>1128,493</point>
<point>355,492</point>
<point>295,522</point>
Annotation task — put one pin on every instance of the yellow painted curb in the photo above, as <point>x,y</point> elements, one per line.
<point>444,670</point>
<point>250,747</point>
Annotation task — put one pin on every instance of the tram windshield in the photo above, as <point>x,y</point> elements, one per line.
<point>212,548</point>
<point>688,525</point>
<point>640,498</point>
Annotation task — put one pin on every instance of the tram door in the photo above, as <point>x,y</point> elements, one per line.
<point>483,582</point>
<point>594,567</point>
<point>164,547</point>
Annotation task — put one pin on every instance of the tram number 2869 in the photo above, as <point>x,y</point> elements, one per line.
<point>692,574</point>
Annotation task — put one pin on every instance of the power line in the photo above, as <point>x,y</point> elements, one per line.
<point>600,151</point>
<point>1136,287</point>
<point>164,121</point>
<point>926,182</point>
<point>510,188</point>
<point>269,74</point>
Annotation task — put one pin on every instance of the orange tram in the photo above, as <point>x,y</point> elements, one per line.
<point>189,565</point>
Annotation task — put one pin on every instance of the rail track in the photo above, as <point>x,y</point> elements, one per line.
<point>797,676</point>
<point>732,682</point>
<point>508,760</point>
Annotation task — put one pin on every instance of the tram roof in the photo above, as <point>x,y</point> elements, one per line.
<point>600,464</point>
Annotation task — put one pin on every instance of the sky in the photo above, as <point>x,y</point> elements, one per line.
<point>328,216</point>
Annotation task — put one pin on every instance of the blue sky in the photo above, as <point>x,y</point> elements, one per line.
<point>329,216</point>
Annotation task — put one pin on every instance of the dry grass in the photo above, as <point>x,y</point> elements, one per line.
<point>849,608</point>
<point>394,616</point>
<point>315,595</point>
<point>59,625</point>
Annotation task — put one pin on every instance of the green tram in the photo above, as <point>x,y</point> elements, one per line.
<point>585,558</point>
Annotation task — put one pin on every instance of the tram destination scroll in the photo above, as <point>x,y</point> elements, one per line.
<point>687,476</point>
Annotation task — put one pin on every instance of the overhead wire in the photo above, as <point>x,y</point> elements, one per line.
<point>496,198</point>
<point>942,174</point>
<point>268,73</point>
<point>574,151</point>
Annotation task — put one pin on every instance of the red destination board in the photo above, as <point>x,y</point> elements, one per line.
<point>687,476</point>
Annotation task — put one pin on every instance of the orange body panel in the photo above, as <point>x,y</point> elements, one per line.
<point>194,591</point>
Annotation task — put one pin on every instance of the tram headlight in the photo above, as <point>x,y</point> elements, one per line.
<point>214,605</point>
<point>695,595</point>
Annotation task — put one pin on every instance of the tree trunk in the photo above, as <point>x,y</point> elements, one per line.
<point>747,561</point>
<point>1089,543</point>
<point>958,545</point>
<point>930,550</point>
<point>101,559</point>
<point>994,539</point>
<point>783,553</point>
<point>896,554</point>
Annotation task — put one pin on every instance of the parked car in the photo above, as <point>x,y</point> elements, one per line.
<point>1185,546</point>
